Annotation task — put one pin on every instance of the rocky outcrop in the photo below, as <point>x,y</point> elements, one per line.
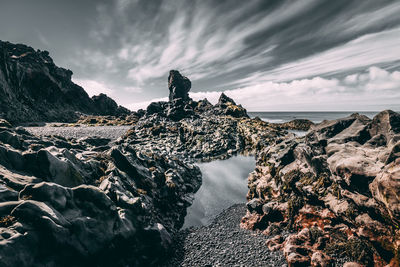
<point>197,130</point>
<point>107,106</point>
<point>63,203</point>
<point>33,88</point>
<point>226,106</point>
<point>179,86</point>
<point>89,202</point>
<point>337,189</point>
<point>297,124</point>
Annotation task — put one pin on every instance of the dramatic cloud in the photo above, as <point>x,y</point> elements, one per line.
<point>302,55</point>
<point>94,87</point>
<point>359,91</point>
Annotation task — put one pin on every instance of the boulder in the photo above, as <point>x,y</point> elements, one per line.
<point>227,106</point>
<point>178,85</point>
<point>297,124</point>
<point>107,106</point>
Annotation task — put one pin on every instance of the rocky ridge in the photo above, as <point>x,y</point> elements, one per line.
<point>336,190</point>
<point>33,88</point>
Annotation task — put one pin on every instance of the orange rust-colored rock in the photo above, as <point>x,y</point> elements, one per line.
<point>337,191</point>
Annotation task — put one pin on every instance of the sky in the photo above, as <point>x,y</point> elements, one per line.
<point>268,55</point>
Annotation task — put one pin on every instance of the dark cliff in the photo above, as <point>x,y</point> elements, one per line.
<point>33,88</point>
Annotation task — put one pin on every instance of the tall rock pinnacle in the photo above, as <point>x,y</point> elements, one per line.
<point>178,85</point>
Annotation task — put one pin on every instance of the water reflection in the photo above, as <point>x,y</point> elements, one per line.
<point>297,132</point>
<point>224,184</point>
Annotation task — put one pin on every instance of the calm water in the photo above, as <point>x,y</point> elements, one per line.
<point>278,117</point>
<point>224,184</point>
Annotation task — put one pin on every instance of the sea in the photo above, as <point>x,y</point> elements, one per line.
<point>314,116</point>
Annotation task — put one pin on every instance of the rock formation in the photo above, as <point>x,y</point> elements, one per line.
<point>297,124</point>
<point>178,85</point>
<point>64,203</point>
<point>33,88</point>
<point>107,106</point>
<point>88,202</point>
<point>337,190</point>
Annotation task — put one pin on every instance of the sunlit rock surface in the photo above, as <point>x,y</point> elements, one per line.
<point>337,188</point>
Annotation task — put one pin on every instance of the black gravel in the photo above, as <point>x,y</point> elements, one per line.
<point>111,132</point>
<point>223,243</point>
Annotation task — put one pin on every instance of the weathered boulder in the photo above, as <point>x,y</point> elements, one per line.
<point>297,124</point>
<point>107,106</point>
<point>227,106</point>
<point>178,85</point>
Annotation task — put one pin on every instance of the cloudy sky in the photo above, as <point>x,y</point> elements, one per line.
<point>269,55</point>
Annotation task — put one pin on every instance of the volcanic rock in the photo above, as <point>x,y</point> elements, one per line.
<point>178,85</point>
<point>33,88</point>
<point>63,204</point>
<point>226,106</point>
<point>297,124</point>
<point>342,182</point>
<point>107,106</point>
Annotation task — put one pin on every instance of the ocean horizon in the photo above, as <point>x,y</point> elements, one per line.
<point>314,116</point>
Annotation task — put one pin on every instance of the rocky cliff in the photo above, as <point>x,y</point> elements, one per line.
<point>33,88</point>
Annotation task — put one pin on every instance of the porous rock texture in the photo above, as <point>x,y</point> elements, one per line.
<point>179,86</point>
<point>33,88</point>
<point>297,124</point>
<point>64,203</point>
<point>337,190</point>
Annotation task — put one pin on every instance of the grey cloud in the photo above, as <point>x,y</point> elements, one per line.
<point>128,46</point>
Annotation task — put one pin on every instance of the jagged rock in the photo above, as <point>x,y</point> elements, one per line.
<point>107,106</point>
<point>227,106</point>
<point>122,211</point>
<point>5,124</point>
<point>297,124</point>
<point>178,85</point>
<point>33,88</point>
<point>344,170</point>
<point>155,107</point>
